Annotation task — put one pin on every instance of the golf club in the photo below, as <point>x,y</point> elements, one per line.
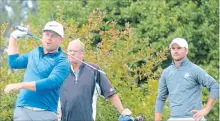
<point>29,34</point>
<point>37,38</point>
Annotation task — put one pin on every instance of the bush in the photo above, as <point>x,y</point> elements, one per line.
<point>117,54</point>
<point>128,40</point>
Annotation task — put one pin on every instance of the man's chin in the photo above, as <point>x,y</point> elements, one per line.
<point>73,62</point>
<point>178,59</point>
<point>49,49</point>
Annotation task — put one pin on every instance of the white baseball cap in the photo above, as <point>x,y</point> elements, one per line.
<point>56,27</point>
<point>180,41</point>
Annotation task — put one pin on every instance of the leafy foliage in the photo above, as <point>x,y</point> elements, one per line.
<point>119,48</point>
<point>128,40</point>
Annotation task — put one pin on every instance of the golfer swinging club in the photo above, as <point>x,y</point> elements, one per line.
<point>122,117</point>
<point>46,69</point>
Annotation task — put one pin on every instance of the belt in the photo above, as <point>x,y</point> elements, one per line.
<point>33,108</point>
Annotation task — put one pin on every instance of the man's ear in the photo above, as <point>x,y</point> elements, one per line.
<point>187,51</point>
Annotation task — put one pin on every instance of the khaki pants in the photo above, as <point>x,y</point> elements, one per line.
<point>185,119</point>
<point>24,114</point>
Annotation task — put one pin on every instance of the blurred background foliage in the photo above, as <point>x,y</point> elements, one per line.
<point>128,39</point>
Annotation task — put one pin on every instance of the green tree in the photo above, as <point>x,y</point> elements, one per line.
<point>129,40</point>
<point>116,53</point>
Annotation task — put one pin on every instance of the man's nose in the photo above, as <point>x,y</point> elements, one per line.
<point>175,51</point>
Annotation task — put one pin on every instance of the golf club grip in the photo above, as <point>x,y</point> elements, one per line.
<point>28,33</point>
<point>18,28</point>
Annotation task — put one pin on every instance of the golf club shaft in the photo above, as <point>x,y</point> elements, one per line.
<point>83,62</point>
<point>37,38</point>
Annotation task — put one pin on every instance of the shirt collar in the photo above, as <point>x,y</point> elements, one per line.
<point>81,66</point>
<point>52,54</point>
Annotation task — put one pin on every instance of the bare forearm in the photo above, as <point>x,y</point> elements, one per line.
<point>158,116</point>
<point>198,114</point>
<point>210,104</point>
<point>114,99</point>
<point>17,86</point>
<point>12,47</point>
<point>29,85</point>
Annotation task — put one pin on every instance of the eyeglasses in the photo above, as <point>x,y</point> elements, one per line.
<point>74,51</point>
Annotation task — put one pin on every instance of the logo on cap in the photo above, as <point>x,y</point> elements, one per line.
<point>53,25</point>
<point>56,27</point>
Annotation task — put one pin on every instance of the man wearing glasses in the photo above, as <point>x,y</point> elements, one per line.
<point>79,92</point>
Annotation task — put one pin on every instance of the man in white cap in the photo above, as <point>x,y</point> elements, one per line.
<point>46,69</point>
<point>182,81</point>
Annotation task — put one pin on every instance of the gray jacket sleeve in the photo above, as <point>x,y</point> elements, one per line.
<point>209,82</point>
<point>162,94</point>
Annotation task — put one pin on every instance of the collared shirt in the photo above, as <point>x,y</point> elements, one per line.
<point>183,85</point>
<point>77,94</point>
<point>76,74</point>
<point>48,70</point>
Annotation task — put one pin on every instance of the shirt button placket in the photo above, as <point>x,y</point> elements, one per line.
<point>76,79</point>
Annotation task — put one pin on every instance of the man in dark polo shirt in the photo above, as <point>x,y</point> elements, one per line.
<point>79,92</point>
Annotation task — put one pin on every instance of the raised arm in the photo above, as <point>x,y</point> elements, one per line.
<point>15,35</point>
<point>16,61</point>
